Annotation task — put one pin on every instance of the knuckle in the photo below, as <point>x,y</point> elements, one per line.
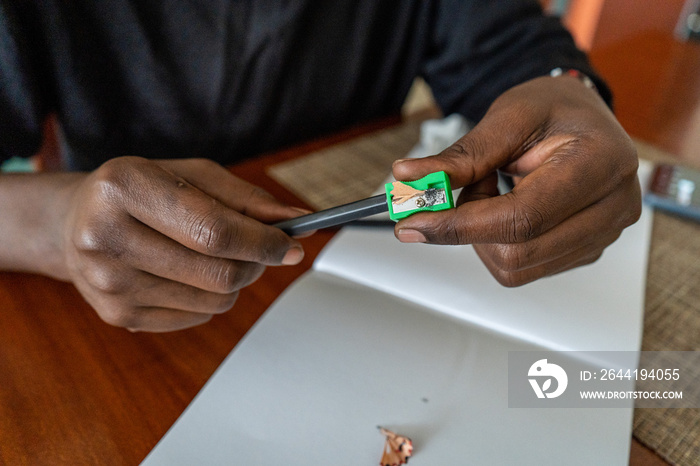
<point>207,164</point>
<point>89,239</point>
<point>461,156</point>
<point>606,240</point>
<point>227,279</point>
<point>212,234</point>
<point>120,317</point>
<point>97,239</point>
<point>449,228</point>
<point>526,223</point>
<point>586,260</point>
<point>447,234</point>
<point>510,257</point>
<point>629,217</point>
<point>226,302</point>
<point>630,163</point>
<point>596,257</point>
<point>593,258</point>
<point>628,207</point>
<point>623,163</point>
<point>113,178</point>
<point>509,279</point>
<point>229,276</point>
<point>634,211</point>
<point>271,246</point>
<point>635,214</point>
<point>253,272</point>
<point>105,280</point>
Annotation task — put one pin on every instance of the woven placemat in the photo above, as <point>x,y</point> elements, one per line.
<point>672,323</point>
<point>353,170</point>
<point>346,172</point>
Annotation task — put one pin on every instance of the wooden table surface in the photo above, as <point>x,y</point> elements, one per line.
<point>74,390</point>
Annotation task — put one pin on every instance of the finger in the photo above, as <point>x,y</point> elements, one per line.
<point>155,253</point>
<point>158,292</point>
<point>119,311</point>
<point>524,125</point>
<point>120,299</point>
<point>539,202</point>
<point>499,138</point>
<point>508,278</point>
<point>569,157</point>
<point>156,319</point>
<point>535,205</point>
<point>238,194</point>
<point>112,288</point>
<point>500,259</point>
<point>593,228</point>
<point>179,210</point>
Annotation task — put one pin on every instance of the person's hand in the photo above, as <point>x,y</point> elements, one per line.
<point>164,245</point>
<point>576,183</point>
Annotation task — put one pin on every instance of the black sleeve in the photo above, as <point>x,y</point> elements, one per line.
<point>22,108</point>
<point>479,49</point>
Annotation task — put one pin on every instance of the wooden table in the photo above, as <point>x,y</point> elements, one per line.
<point>74,390</point>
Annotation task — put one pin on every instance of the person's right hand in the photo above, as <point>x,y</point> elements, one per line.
<point>161,245</point>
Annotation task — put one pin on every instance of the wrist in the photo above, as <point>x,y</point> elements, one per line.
<point>34,212</point>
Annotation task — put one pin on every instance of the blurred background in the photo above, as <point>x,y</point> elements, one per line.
<point>649,52</point>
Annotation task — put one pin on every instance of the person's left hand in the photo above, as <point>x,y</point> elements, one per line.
<point>576,183</point>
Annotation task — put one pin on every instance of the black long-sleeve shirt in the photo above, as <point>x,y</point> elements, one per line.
<point>228,79</point>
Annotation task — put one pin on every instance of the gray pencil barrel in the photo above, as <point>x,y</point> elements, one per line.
<point>335,215</point>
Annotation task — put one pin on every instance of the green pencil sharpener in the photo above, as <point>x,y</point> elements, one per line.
<point>428,194</point>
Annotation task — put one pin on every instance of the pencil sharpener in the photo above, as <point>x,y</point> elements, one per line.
<point>428,194</point>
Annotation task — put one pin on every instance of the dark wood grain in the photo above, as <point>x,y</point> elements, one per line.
<point>74,390</point>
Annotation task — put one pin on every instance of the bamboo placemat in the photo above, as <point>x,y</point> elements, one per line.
<point>353,170</point>
<point>672,323</point>
<point>346,172</point>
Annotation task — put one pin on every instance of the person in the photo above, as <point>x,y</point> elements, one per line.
<point>153,97</point>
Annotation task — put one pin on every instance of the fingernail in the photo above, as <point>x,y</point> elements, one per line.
<point>293,256</point>
<point>302,211</point>
<point>306,234</point>
<point>410,236</point>
<point>396,162</point>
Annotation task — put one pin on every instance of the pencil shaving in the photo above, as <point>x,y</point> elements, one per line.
<point>397,449</point>
<point>403,192</point>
